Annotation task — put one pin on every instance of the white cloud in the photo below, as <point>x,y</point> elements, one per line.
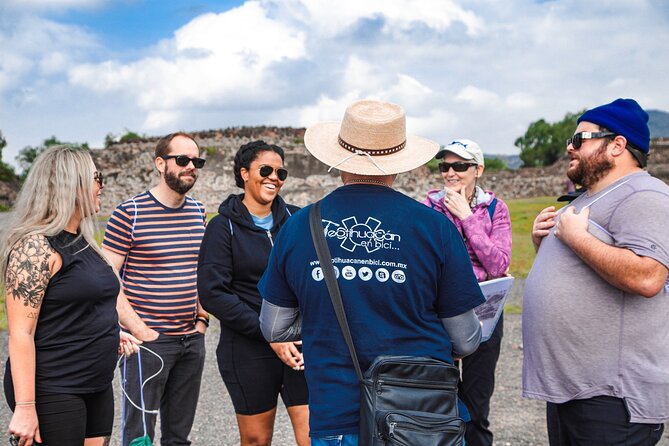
<point>31,48</point>
<point>477,97</point>
<point>476,69</point>
<point>398,15</point>
<point>216,59</point>
<point>520,100</point>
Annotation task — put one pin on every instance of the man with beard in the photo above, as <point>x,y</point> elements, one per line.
<point>153,239</point>
<point>595,307</point>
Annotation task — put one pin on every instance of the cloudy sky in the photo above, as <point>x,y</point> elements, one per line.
<point>484,70</point>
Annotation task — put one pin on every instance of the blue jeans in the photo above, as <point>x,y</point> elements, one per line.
<point>336,440</point>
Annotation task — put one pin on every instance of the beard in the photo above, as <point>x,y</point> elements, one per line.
<point>591,169</point>
<point>175,182</point>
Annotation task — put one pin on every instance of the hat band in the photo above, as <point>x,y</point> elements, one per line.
<point>372,152</point>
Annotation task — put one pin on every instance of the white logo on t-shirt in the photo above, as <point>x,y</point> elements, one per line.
<point>365,273</point>
<point>369,235</point>
<point>348,272</point>
<point>399,276</point>
<point>317,274</point>
<point>382,275</point>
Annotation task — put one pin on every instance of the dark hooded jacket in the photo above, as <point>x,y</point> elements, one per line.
<point>233,257</point>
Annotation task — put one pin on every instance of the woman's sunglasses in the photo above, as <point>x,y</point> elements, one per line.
<point>458,166</point>
<point>266,171</point>
<point>99,178</point>
<point>577,140</point>
<point>183,160</point>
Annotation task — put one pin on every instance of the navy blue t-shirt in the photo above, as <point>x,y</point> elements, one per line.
<point>401,267</point>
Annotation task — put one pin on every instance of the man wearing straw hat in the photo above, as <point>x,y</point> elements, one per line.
<point>405,277</point>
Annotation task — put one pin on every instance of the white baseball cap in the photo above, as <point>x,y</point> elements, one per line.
<point>464,148</point>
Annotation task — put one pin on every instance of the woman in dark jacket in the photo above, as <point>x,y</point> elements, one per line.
<point>233,257</point>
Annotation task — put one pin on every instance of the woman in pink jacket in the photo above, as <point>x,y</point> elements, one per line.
<point>484,223</point>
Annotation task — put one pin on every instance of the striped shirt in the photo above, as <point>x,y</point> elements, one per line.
<point>161,247</point>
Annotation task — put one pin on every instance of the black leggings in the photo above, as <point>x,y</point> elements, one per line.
<point>67,419</point>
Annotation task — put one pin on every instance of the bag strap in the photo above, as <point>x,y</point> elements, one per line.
<point>491,207</point>
<point>325,259</point>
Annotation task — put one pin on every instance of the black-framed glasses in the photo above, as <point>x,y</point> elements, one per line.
<point>577,140</point>
<point>183,160</point>
<point>457,166</point>
<point>99,178</point>
<point>266,171</point>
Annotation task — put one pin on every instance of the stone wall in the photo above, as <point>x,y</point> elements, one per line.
<point>129,170</point>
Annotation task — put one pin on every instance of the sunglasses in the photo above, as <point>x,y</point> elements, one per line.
<point>266,171</point>
<point>458,166</point>
<point>99,178</point>
<point>577,140</point>
<point>183,160</point>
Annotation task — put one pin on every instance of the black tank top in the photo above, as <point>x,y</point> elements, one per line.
<point>77,335</point>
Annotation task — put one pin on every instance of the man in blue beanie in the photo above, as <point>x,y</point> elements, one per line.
<point>596,307</point>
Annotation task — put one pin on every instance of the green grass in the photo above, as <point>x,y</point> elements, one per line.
<point>523,211</point>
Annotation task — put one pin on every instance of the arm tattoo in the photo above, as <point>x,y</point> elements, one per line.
<point>28,271</point>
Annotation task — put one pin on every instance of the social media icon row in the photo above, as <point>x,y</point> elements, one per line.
<point>364,273</point>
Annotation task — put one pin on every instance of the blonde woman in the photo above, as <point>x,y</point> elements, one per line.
<point>61,306</point>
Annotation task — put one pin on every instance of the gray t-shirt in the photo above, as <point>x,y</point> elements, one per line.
<point>583,337</point>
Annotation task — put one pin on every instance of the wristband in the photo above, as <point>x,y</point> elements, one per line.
<point>25,403</point>
<point>203,320</point>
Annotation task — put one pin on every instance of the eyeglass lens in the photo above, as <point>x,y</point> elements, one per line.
<point>457,166</point>
<point>183,160</point>
<point>576,141</point>
<point>266,171</point>
<point>99,178</point>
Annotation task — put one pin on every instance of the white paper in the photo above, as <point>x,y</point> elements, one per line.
<point>495,292</point>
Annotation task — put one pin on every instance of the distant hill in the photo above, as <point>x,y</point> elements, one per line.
<point>511,161</point>
<point>658,121</point>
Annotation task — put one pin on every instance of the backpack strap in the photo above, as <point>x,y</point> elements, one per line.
<point>491,208</point>
<point>132,237</point>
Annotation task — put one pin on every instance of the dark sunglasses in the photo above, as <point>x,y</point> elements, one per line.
<point>183,160</point>
<point>577,140</point>
<point>266,171</point>
<point>99,178</point>
<point>458,166</point>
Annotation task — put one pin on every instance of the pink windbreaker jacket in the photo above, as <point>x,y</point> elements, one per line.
<point>488,242</point>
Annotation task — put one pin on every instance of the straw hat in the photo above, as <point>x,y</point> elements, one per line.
<point>370,140</point>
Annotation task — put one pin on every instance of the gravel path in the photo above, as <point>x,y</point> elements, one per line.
<point>515,421</point>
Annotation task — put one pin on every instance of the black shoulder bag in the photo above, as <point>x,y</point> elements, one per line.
<point>405,400</point>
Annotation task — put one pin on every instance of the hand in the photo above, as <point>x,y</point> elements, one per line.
<point>24,424</point>
<point>128,345</point>
<point>457,203</point>
<point>542,225</point>
<point>289,354</point>
<point>571,227</point>
<point>147,335</point>
<point>200,327</point>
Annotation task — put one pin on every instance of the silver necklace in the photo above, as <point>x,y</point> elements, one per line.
<point>365,180</point>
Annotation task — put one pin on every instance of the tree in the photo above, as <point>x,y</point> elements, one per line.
<point>543,143</point>
<point>109,140</point>
<point>494,164</point>
<point>28,154</point>
<point>130,136</point>
<point>6,171</point>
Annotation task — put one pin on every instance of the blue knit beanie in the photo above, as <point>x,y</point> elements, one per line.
<point>624,117</point>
